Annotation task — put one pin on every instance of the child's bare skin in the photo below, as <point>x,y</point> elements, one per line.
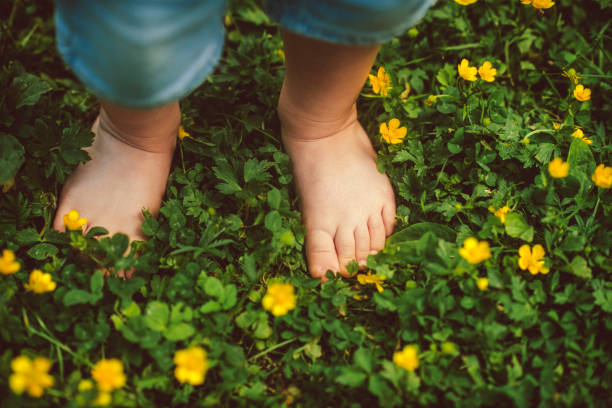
<point>129,166</point>
<point>348,206</point>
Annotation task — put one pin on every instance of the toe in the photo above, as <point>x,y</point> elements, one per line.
<point>345,248</point>
<point>320,253</point>
<point>376,227</point>
<point>388,216</point>
<point>362,244</point>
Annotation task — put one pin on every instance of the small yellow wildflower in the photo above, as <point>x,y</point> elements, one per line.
<point>182,133</point>
<point>281,54</point>
<point>191,365</point>
<point>581,93</point>
<point>109,375</point>
<point>602,177</point>
<point>465,71</point>
<point>72,220</point>
<point>40,282</point>
<point>475,251</point>
<point>558,168</point>
<point>556,126</point>
<point>408,358</point>
<point>279,299</point>
<point>381,84</point>
<point>539,4</point>
<point>500,212</point>
<point>465,2</point>
<point>579,134</point>
<point>30,375</point>
<point>104,398</point>
<point>487,72</point>
<point>8,264</point>
<point>85,385</point>
<point>482,283</point>
<point>572,75</point>
<point>393,133</point>
<point>532,259</point>
<point>370,279</point>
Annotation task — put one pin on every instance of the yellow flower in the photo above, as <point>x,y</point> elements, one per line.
<point>381,82</point>
<point>408,358</point>
<point>475,251</point>
<point>579,134</point>
<point>539,4</point>
<point>532,259</point>
<point>72,220</point>
<point>85,385</point>
<point>393,133</point>
<point>109,375</point>
<point>104,398</point>
<point>500,212</point>
<point>191,365</point>
<point>371,280</point>
<point>487,72</point>
<point>40,282</point>
<point>30,375</point>
<point>572,75</point>
<point>482,283</point>
<point>581,93</point>
<point>465,2</point>
<point>558,168</point>
<point>465,71</point>
<point>279,299</point>
<point>602,176</point>
<point>556,125</point>
<point>8,264</point>
<point>182,133</point>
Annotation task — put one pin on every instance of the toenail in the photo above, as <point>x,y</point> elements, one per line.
<point>373,252</point>
<point>362,263</point>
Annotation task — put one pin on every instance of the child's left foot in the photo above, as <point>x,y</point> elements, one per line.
<point>348,205</point>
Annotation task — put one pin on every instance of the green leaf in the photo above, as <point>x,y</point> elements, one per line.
<point>29,89</point>
<point>213,287</point>
<point>42,251</point>
<point>273,221</point>
<point>579,267</point>
<point>516,227</point>
<point>77,296</point>
<point>179,332</point>
<point>416,231</point>
<point>363,359</point>
<point>96,282</point>
<point>351,377</point>
<point>156,315</point>
<point>580,158</point>
<point>274,198</point>
<point>12,156</point>
<point>210,306</point>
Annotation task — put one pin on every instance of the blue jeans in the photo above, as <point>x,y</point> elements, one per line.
<point>144,53</point>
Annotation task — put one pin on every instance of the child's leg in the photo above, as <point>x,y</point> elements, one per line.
<point>348,206</point>
<point>129,166</point>
<point>142,56</point>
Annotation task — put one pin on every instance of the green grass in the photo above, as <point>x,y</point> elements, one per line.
<point>230,212</point>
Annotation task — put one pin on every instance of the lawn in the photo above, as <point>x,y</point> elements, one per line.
<point>494,290</point>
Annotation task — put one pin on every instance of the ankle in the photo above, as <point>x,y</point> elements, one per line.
<point>151,130</point>
<point>300,121</point>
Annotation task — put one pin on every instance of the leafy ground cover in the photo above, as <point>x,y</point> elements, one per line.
<point>495,290</point>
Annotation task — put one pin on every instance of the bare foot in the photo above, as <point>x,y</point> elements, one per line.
<point>348,206</point>
<point>119,181</point>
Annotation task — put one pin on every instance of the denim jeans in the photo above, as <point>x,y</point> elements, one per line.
<point>144,53</point>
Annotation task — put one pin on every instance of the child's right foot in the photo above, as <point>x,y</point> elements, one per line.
<point>126,173</point>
